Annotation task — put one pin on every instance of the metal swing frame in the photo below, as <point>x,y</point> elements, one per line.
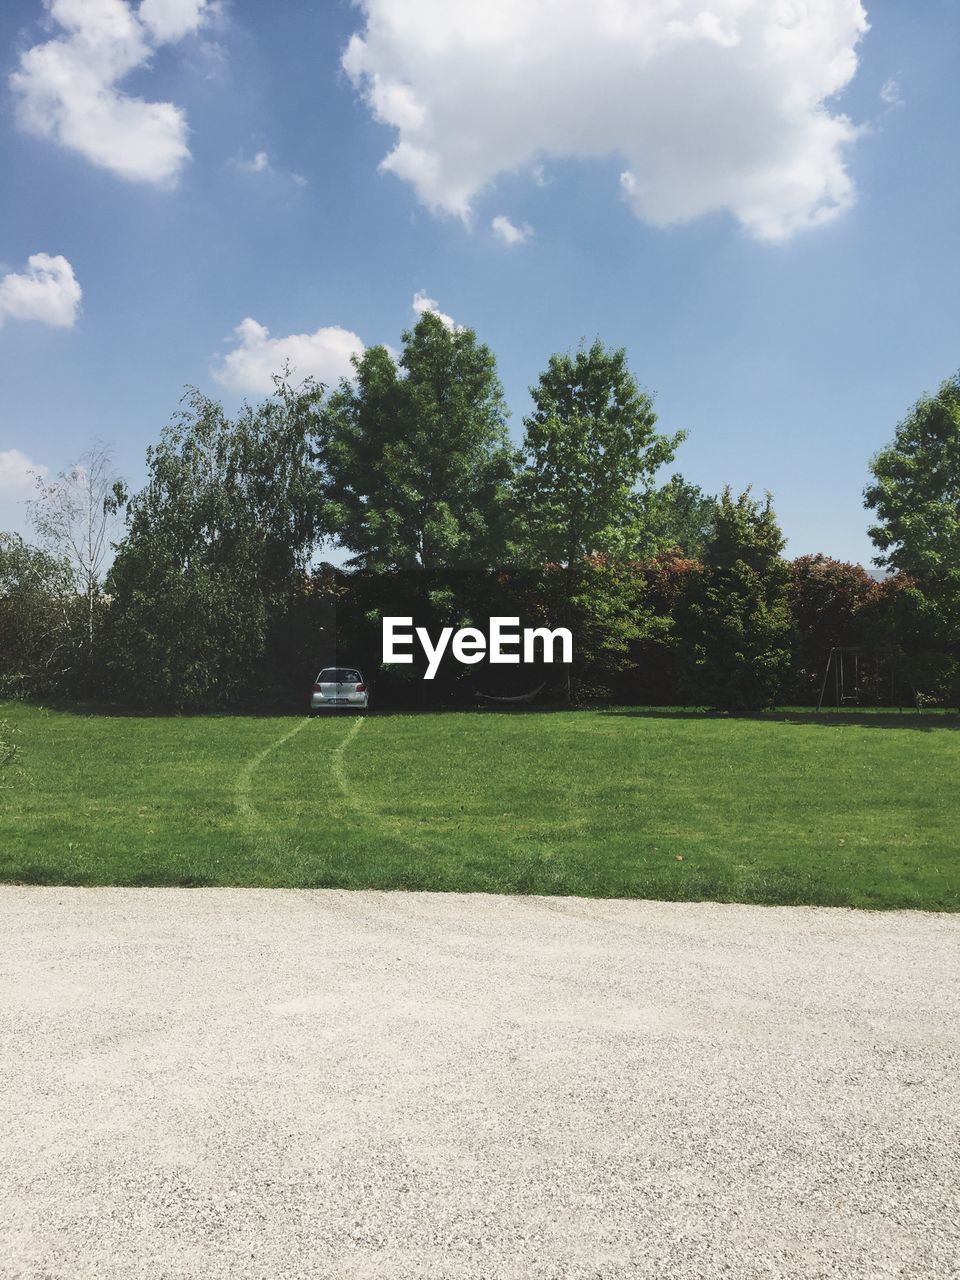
<point>839,661</point>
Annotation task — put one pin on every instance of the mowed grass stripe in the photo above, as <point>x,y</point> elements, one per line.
<point>853,810</point>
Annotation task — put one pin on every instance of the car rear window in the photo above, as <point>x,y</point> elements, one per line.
<point>338,675</point>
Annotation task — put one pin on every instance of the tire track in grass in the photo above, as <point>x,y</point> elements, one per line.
<point>246,809</point>
<point>367,816</point>
<point>336,763</point>
<point>252,824</point>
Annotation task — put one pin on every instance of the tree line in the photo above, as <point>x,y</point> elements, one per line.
<point>218,593</point>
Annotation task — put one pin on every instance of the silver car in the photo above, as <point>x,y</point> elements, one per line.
<point>340,689</point>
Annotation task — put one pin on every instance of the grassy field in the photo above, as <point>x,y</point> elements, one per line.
<point>852,810</point>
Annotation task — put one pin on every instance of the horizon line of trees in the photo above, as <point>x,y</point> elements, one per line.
<point>672,595</point>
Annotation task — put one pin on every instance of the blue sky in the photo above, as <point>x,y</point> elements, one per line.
<point>786,315</point>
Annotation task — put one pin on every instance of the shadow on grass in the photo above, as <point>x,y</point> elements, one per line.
<point>292,709</point>
<point>868,718</point>
<point>126,711</point>
<point>37,875</point>
<point>881,718</point>
<point>160,880</point>
<point>31,874</point>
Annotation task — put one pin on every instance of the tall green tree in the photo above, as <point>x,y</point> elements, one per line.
<point>676,517</point>
<point>915,494</point>
<point>590,452</point>
<point>417,455</point>
<point>733,618</point>
<point>916,491</point>
<point>590,446</point>
<point>42,620</point>
<point>216,549</point>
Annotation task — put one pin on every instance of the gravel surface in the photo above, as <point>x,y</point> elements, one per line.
<point>273,1084</point>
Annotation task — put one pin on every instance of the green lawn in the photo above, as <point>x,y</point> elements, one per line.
<point>852,810</point>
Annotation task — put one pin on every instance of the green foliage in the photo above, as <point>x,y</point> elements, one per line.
<point>676,518</point>
<point>906,623</point>
<point>604,604</point>
<point>588,446</point>
<point>667,590</point>
<point>655,673</point>
<point>41,620</point>
<point>216,549</point>
<point>832,604</point>
<point>733,620</point>
<point>916,491</point>
<point>916,496</point>
<point>417,457</point>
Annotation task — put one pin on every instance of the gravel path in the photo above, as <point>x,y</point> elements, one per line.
<point>273,1084</point>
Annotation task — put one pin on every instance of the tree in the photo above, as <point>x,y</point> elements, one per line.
<point>831,603</point>
<point>656,665</point>
<point>916,496</point>
<point>417,456</point>
<point>916,491</point>
<point>675,518</point>
<point>42,629</point>
<point>609,614</point>
<point>75,518</point>
<point>589,448</point>
<point>216,548</point>
<point>733,620</point>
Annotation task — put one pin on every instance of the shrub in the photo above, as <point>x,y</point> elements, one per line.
<point>831,603</point>
<point>733,620</point>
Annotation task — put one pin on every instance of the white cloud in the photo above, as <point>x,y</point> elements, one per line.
<point>890,93</point>
<point>18,475</point>
<point>171,20</point>
<point>422,303</point>
<point>510,234</point>
<point>712,104</point>
<point>47,291</point>
<point>259,164</point>
<point>67,88</point>
<point>250,366</point>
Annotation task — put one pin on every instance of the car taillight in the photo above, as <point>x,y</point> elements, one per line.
<point>361,688</point>
<point>317,689</point>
